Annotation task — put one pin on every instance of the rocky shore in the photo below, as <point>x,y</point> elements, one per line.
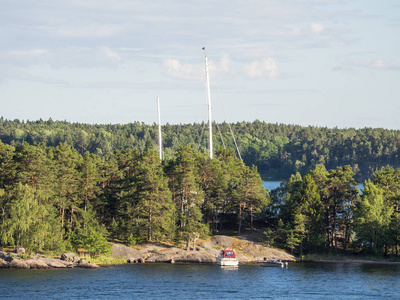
<point>247,251</point>
<point>12,260</point>
<point>205,251</point>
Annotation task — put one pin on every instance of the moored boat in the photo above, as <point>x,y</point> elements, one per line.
<point>227,257</point>
<point>274,263</point>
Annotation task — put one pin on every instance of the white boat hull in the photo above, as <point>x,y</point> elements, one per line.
<point>231,262</point>
<point>274,264</point>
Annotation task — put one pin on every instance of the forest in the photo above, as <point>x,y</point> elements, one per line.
<point>66,186</point>
<point>55,199</point>
<point>277,150</point>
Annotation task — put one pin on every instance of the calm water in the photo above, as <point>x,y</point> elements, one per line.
<point>155,281</point>
<point>271,185</point>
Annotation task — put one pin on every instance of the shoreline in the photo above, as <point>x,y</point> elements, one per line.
<point>358,261</point>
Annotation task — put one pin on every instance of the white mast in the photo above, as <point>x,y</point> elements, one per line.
<point>210,144</point>
<point>159,128</point>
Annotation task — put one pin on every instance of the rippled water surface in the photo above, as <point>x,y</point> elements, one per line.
<point>177,281</point>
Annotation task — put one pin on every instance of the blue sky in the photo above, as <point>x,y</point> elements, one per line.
<point>332,63</point>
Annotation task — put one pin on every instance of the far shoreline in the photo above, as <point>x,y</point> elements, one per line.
<point>359,261</point>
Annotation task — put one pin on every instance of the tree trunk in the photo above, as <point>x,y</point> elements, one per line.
<point>251,218</point>
<point>196,236</point>
<point>346,233</point>
<point>240,219</point>
<point>188,244</point>
<point>301,248</point>
<point>149,237</point>
<point>62,217</point>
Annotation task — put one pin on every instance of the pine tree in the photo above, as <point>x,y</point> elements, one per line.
<point>373,218</point>
<point>147,201</point>
<point>188,195</point>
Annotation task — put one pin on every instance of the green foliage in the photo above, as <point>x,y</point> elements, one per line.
<point>373,219</point>
<point>277,150</point>
<point>26,223</point>
<point>292,241</point>
<point>62,185</point>
<point>90,235</point>
<point>24,256</point>
<point>131,240</point>
<point>268,237</point>
<point>114,228</point>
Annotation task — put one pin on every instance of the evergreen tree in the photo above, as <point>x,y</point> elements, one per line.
<point>373,217</point>
<point>153,210</point>
<point>188,195</point>
<point>340,201</point>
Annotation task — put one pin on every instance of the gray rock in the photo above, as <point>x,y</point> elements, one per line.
<point>18,264</point>
<point>222,241</point>
<point>87,265</point>
<point>10,259</point>
<point>159,257</point>
<point>3,255</point>
<point>3,264</point>
<point>36,264</point>
<point>200,258</point>
<point>133,260</point>
<point>53,263</point>
<point>70,257</point>
<point>121,251</point>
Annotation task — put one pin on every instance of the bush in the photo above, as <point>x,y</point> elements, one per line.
<point>131,240</point>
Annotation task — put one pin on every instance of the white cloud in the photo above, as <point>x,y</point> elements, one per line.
<point>94,30</point>
<point>294,30</point>
<point>224,64</point>
<point>76,57</point>
<point>110,53</point>
<point>24,57</point>
<point>378,64</point>
<point>174,68</point>
<point>265,68</point>
<point>27,53</point>
<point>317,28</point>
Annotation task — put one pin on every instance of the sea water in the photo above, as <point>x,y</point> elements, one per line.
<point>206,281</point>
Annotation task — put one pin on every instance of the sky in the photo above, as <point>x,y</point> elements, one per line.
<point>333,63</point>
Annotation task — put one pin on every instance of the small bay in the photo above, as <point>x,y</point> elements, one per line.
<point>271,185</point>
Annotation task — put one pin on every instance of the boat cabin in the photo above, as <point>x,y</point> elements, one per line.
<point>228,254</point>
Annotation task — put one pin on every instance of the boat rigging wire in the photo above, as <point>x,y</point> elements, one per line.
<point>226,118</point>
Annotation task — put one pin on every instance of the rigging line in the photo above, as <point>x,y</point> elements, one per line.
<point>220,133</point>
<point>201,136</point>
<point>226,117</point>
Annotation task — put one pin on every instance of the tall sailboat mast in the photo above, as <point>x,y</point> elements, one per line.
<point>159,128</point>
<point>210,144</point>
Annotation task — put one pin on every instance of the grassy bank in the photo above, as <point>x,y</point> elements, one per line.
<point>106,260</point>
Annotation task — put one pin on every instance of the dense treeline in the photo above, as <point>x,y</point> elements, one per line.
<point>54,198</point>
<point>277,150</point>
<point>324,210</point>
<point>66,186</point>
